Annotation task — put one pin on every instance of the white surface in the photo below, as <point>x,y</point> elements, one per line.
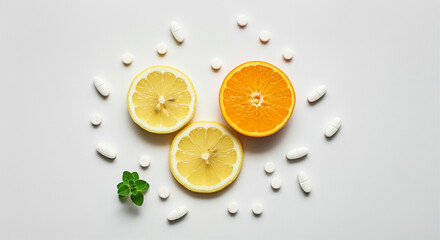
<point>377,178</point>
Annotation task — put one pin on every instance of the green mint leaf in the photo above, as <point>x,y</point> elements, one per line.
<point>134,190</point>
<point>131,183</point>
<point>141,185</point>
<point>135,175</point>
<point>120,184</point>
<point>127,176</point>
<point>123,191</point>
<point>137,198</point>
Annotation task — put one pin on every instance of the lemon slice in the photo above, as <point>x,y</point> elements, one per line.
<point>161,99</point>
<point>205,157</point>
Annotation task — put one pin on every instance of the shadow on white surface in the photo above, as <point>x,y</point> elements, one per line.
<point>153,138</point>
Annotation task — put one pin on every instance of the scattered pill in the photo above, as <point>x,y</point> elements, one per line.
<point>162,48</point>
<point>233,208</point>
<point>317,93</point>
<point>101,86</point>
<point>275,183</point>
<point>127,58</point>
<point>269,167</point>
<point>257,208</point>
<point>297,153</point>
<point>106,151</point>
<point>177,213</point>
<point>304,181</point>
<point>96,119</point>
<point>177,31</point>
<point>288,54</point>
<point>333,127</point>
<point>242,21</point>
<point>144,161</point>
<point>164,192</point>
<point>264,36</point>
<point>216,64</point>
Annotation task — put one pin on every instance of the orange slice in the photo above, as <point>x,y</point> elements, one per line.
<point>257,99</point>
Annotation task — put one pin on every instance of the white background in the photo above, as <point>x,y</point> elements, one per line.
<point>378,178</point>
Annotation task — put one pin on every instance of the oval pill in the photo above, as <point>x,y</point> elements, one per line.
<point>106,151</point>
<point>304,181</point>
<point>242,21</point>
<point>317,93</point>
<point>162,48</point>
<point>297,153</point>
<point>177,31</point>
<point>101,86</point>
<point>96,119</point>
<point>177,213</point>
<point>269,167</point>
<point>233,208</point>
<point>333,127</point>
<point>257,208</point>
<point>216,64</point>
<point>288,54</point>
<point>144,161</point>
<point>264,36</point>
<point>127,58</point>
<point>275,183</point>
<point>164,192</point>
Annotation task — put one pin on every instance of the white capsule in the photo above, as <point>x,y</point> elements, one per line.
<point>144,161</point>
<point>317,93</point>
<point>242,21</point>
<point>288,54</point>
<point>257,208</point>
<point>264,36</point>
<point>177,31</point>
<point>333,127</point>
<point>164,192</point>
<point>269,167</point>
<point>233,208</point>
<point>127,58</point>
<point>96,119</point>
<point>304,181</point>
<point>297,153</point>
<point>177,213</point>
<point>162,48</point>
<point>101,86</point>
<point>106,151</point>
<point>275,183</point>
<point>216,64</point>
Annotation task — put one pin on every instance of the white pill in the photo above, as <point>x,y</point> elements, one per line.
<point>216,64</point>
<point>304,181</point>
<point>242,21</point>
<point>162,48</point>
<point>144,161</point>
<point>177,31</point>
<point>264,36</point>
<point>177,213</point>
<point>297,153</point>
<point>288,54</point>
<point>257,208</point>
<point>101,86</point>
<point>233,207</point>
<point>317,93</point>
<point>96,119</point>
<point>127,58</point>
<point>275,183</point>
<point>164,192</point>
<point>333,127</point>
<point>106,151</point>
<point>269,167</point>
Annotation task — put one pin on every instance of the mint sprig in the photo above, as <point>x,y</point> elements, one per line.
<point>132,184</point>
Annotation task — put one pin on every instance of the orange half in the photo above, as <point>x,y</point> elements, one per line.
<point>257,99</point>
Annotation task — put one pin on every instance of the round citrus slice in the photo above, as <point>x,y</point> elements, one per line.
<point>161,99</point>
<point>205,157</point>
<point>257,99</point>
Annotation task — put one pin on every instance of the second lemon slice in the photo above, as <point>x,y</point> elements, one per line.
<point>161,99</point>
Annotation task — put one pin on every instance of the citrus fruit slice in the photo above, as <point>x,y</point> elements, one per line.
<point>205,157</point>
<point>161,99</point>
<point>257,99</point>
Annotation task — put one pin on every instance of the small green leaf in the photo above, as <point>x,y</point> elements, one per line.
<point>137,198</point>
<point>127,176</point>
<point>120,184</point>
<point>141,185</point>
<point>131,183</point>
<point>123,191</point>
<point>135,175</point>
<point>134,190</point>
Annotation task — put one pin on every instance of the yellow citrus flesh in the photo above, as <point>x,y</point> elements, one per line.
<point>161,99</point>
<point>205,157</point>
